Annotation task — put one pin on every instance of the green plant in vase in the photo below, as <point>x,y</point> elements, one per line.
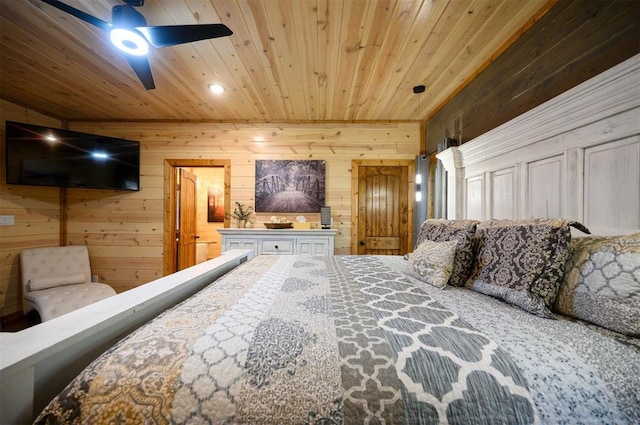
<point>242,214</point>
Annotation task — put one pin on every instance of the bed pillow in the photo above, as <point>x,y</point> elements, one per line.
<point>461,231</point>
<point>522,261</point>
<point>432,262</point>
<point>46,282</point>
<point>602,283</point>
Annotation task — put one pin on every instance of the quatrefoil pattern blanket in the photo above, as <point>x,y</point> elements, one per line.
<point>342,340</point>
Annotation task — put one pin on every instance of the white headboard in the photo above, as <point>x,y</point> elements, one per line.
<point>576,156</point>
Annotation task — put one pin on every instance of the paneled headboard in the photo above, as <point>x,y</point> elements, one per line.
<point>576,156</point>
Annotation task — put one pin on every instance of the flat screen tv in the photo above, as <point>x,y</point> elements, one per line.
<point>43,156</point>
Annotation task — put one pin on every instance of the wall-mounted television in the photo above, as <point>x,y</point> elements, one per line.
<point>44,156</point>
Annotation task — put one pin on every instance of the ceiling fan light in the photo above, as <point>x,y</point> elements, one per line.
<point>129,41</point>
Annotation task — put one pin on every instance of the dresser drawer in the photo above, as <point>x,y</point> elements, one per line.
<point>276,246</point>
<point>239,243</point>
<point>313,247</point>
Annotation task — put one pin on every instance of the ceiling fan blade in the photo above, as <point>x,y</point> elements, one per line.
<point>171,35</point>
<point>79,14</point>
<point>140,65</point>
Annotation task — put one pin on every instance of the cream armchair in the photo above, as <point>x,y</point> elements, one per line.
<point>57,280</point>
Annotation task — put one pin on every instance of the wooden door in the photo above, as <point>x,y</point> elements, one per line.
<point>384,210</point>
<point>186,220</point>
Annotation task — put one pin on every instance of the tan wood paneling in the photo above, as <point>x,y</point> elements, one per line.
<point>573,42</point>
<point>123,230</point>
<point>116,239</point>
<point>70,71</point>
<point>36,212</point>
<point>288,60</point>
<point>127,227</point>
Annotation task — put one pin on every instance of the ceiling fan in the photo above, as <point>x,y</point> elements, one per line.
<point>129,33</point>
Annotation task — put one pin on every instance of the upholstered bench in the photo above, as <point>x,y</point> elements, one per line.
<point>57,280</point>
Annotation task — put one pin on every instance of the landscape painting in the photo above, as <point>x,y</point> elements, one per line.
<point>290,186</point>
<point>215,204</point>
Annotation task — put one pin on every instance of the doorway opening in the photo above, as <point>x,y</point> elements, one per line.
<point>181,217</point>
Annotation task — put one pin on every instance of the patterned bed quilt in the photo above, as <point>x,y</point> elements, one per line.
<point>352,340</point>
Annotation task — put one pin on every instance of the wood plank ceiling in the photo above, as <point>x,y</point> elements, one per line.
<point>288,60</point>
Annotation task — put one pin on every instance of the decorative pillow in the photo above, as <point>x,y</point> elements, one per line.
<point>46,282</point>
<point>522,261</point>
<point>602,282</point>
<point>462,231</point>
<point>432,262</point>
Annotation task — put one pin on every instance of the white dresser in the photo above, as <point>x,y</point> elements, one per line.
<point>279,241</point>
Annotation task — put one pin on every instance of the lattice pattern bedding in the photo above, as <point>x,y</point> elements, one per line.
<point>352,339</point>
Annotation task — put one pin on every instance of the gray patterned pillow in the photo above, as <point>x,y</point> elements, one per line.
<point>522,261</point>
<point>462,231</point>
<point>602,282</point>
<point>432,262</point>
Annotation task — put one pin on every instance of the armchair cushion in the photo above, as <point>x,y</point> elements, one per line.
<point>53,302</point>
<point>46,282</point>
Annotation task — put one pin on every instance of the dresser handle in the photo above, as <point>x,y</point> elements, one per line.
<point>276,246</point>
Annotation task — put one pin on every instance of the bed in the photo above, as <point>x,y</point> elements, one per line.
<point>357,339</point>
<point>366,339</point>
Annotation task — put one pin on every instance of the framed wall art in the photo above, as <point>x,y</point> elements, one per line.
<point>215,204</point>
<point>290,186</point>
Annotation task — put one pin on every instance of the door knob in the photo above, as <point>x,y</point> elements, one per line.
<point>362,243</point>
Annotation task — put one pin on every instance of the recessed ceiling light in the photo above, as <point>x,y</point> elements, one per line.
<point>216,88</point>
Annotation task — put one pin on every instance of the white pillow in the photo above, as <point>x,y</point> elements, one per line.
<point>432,262</point>
<point>46,282</point>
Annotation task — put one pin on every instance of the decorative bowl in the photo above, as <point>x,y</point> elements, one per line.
<point>278,225</point>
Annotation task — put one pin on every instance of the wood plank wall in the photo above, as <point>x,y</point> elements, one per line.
<point>573,42</point>
<point>36,212</point>
<point>124,230</point>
